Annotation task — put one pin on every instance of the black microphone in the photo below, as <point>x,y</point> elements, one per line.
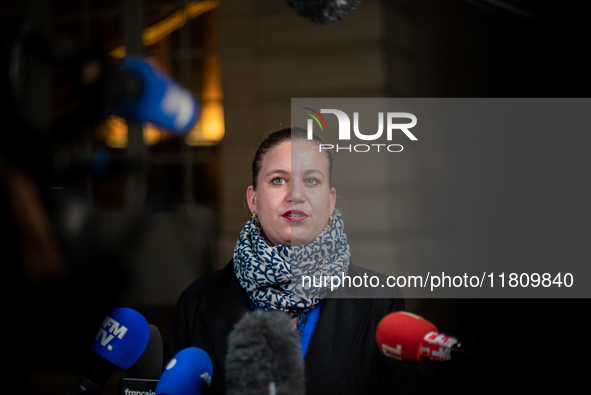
<point>323,11</point>
<point>143,376</point>
<point>93,382</point>
<point>264,356</point>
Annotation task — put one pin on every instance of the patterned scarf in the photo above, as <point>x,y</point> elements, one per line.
<point>272,275</point>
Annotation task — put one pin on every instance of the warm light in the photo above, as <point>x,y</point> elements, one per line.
<point>114,133</point>
<point>157,32</point>
<point>152,134</point>
<point>210,128</point>
<point>118,52</point>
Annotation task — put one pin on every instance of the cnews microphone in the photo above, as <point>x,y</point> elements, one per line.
<point>264,356</point>
<point>143,376</point>
<point>119,342</point>
<point>188,373</point>
<point>409,337</point>
<point>146,94</point>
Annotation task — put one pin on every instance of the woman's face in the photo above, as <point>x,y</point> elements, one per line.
<point>293,199</point>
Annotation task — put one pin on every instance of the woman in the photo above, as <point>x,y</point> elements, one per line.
<point>294,232</point>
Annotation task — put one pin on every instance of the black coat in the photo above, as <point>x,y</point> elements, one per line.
<point>343,357</point>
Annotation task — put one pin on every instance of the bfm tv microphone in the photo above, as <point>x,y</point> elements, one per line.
<point>188,373</point>
<point>120,341</point>
<point>140,92</point>
<point>264,356</point>
<point>143,376</point>
<point>409,337</point>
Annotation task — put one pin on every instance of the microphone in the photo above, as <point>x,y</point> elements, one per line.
<point>409,337</point>
<point>140,92</point>
<point>144,374</point>
<point>323,11</point>
<point>188,373</point>
<point>119,342</point>
<point>264,356</point>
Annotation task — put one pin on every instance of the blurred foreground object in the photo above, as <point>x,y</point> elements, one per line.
<point>323,11</point>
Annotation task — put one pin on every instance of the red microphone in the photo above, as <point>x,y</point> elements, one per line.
<point>409,337</point>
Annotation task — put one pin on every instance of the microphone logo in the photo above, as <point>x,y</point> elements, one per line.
<point>178,105</point>
<point>437,346</point>
<point>108,330</point>
<point>206,378</point>
<point>392,352</point>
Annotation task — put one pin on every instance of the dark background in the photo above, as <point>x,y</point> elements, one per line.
<point>479,50</point>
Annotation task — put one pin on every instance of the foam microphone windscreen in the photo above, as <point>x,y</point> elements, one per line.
<point>149,364</point>
<point>323,11</point>
<point>122,337</point>
<point>400,335</point>
<point>263,348</point>
<point>188,373</point>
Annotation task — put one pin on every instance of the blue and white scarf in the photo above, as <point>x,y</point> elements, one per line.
<point>272,275</point>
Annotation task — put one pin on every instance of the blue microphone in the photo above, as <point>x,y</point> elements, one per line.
<point>122,337</point>
<point>188,373</point>
<point>154,97</point>
<point>120,341</point>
